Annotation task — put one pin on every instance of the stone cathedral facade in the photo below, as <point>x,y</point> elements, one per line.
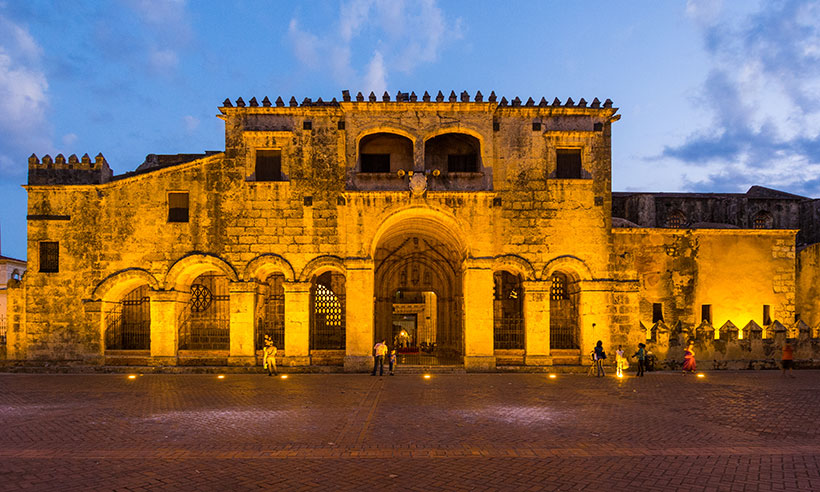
<point>463,230</point>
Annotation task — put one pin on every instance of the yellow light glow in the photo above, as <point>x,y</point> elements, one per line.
<point>220,377</point>
<point>132,376</point>
<point>284,376</point>
<point>553,376</point>
<point>426,376</point>
<point>620,375</point>
<point>701,375</point>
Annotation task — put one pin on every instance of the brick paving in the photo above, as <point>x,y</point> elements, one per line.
<point>732,431</point>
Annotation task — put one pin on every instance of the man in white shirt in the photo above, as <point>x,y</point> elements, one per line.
<point>379,351</point>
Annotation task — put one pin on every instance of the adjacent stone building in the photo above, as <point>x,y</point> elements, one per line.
<point>460,229</point>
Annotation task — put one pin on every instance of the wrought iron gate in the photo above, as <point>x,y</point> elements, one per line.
<point>327,330</point>
<point>205,321</point>
<point>563,315</point>
<point>272,315</point>
<point>508,314</point>
<point>128,326</point>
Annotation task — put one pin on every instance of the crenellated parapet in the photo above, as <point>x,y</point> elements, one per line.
<point>412,97</point>
<point>71,171</point>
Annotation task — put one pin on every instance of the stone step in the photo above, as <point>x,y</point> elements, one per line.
<point>418,369</point>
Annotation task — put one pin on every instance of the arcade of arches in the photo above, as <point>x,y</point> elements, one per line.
<point>421,293</point>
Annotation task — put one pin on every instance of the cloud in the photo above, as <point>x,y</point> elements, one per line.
<point>69,139</point>
<point>167,32</point>
<point>763,92</point>
<point>24,100</point>
<point>405,34</point>
<point>190,123</point>
<point>376,78</point>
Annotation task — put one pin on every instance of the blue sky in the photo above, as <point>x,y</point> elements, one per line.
<point>715,96</point>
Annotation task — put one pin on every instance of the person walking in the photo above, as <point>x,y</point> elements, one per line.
<point>269,356</point>
<point>392,360</point>
<point>620,362</point>
<point>787,359</point>
<point>600,355</point>
<point>379,351</point>
<point>641,355</point>
<point>689,358</point>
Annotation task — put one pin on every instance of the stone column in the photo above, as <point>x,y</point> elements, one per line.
<point>478,316</point>
<point>537,323</point>
<point>359,288</point>
<point>242,324</point>
<point>166,306</point>
<point>297,324</point>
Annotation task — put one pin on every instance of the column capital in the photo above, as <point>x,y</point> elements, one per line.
<point>248,286</point>
<point>170,295</point>
<point>536,285</point>
<point>359,264</point>
<point>294,287</point>
<point>478,263</point>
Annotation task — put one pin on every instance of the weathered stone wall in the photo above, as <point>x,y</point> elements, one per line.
<point>737,272</point>
<point>110,228</point>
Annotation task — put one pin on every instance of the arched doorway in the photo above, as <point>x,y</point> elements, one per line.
<point>418,306</point>
<point>204,323</point>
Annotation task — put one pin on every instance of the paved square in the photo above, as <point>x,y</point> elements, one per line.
<point>733,431</point>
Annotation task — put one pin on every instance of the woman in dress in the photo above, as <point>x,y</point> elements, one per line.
<point>689,358</point>
<point>620,362</point>
<point>269,356</point>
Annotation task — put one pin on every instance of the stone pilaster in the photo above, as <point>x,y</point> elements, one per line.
<point>166,306</point>
<point>297,324</point>
<point>359,288</point>
<point>537,323</point>
<point>478,316</point>
<point>242,323</point>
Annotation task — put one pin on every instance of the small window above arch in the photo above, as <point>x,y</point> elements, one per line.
<point>762,220</point>
<point>676,220</point>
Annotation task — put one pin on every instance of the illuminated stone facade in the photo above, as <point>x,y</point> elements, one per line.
<point>460,229</point>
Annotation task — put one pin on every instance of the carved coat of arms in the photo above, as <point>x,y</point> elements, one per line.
<point>418,184</point>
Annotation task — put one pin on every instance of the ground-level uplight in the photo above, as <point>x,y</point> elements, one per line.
<point>284,376</point>
<point>132,376</point>
<point>552,376</point>
<point>701,375</point>
<point>221,376</point>
<point>426,376</point>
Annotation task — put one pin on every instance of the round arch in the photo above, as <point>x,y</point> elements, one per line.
<point>321,264</point>
<point>455,128</point>
<point>391,129</point>
<point>567,264</point>
<point>264,265</point>
<point>115,286</point>
<point>434,222</point>
<point>189,267</point>
<point>514,263</point>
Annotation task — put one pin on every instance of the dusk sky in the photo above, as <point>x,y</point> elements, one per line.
<point>714,96</point>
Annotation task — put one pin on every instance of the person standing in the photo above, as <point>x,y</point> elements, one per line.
<point>787,359</point>
<point>392,360</point>
<point>641,355</point>
<point>620,362</point>
<point>600,355</point>
<point>689,358</point>
<point>379,351</point>
<point>269,356</point>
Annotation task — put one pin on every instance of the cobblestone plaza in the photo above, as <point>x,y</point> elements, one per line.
<point>728,431</point>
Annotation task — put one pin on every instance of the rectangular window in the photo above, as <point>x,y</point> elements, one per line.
<point>177,207</point>
<point>375,163</point>
<point>49,256</point>
<point>462,163</point>
<point>268,165</point>
<point>568,164</point>
<point>767,315</point>
<point>706,313</point>
<point>657,312</point>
